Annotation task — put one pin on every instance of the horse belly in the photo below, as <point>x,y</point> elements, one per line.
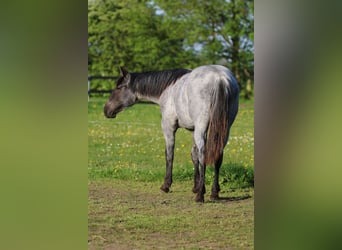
<point>185,123</point>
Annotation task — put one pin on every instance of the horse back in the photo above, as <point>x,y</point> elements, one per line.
<point>190,98</point>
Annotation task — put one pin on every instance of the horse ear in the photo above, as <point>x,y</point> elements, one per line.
<point>123,71</point>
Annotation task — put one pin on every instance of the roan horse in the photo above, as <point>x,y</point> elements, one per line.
<point>203,100</point>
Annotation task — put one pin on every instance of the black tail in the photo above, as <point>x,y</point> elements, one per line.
<point>218,124</point>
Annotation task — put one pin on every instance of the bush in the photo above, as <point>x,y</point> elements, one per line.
<point>237,176</point>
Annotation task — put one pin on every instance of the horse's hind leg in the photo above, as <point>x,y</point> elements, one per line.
<point>194,157</point>
<point>199,139</point>
<point>216,186</point>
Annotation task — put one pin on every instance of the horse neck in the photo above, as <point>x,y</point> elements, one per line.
<point>153,99</point>
<point>145,92</point>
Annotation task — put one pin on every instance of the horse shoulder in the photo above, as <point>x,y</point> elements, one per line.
<point>167,107</point>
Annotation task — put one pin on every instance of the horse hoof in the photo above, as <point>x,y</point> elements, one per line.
<point>214,197</point>
<point>195,190</point>
<point>165,189</point>
<point>199,199</point>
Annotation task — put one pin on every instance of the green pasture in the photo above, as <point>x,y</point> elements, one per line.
<point>126,167</point>
<point>131,146</point>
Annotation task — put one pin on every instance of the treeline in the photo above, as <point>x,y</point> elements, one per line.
<point>161,34</point>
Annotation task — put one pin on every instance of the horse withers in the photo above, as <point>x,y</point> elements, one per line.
<point>203,100</point>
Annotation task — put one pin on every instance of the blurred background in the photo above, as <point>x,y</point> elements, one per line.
<point>43,104</point>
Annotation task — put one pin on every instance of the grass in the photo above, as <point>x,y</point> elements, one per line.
<point>131,147</point>
<point>134,215</point>
<point>126,166</point>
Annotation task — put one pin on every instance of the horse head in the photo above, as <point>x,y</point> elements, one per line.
<point>121,97</point>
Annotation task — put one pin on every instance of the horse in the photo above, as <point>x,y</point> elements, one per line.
<point>204,101</point>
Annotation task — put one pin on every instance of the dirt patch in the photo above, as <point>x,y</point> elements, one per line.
<point>136,215</point>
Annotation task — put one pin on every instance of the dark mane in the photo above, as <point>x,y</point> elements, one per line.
<point>153,83</point>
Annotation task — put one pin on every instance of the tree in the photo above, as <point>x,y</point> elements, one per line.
<point>153,35</point>
<point>219,31</point>
<point>130,33</point>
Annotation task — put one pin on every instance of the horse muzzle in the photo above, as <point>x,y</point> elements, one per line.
<point>108,113</point>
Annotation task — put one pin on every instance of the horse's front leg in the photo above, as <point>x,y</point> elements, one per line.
<point>169,134</point>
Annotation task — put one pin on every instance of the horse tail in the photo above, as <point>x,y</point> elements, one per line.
<point>218,124</point>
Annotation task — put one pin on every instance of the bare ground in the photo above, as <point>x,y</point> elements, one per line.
<point>136,215</point>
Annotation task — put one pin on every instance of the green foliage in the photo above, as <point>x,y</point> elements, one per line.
<point>130,33</point>
<point>160,34</point>
<point>237,176</point>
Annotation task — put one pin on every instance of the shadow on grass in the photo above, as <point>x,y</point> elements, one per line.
<point>231,199</point>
